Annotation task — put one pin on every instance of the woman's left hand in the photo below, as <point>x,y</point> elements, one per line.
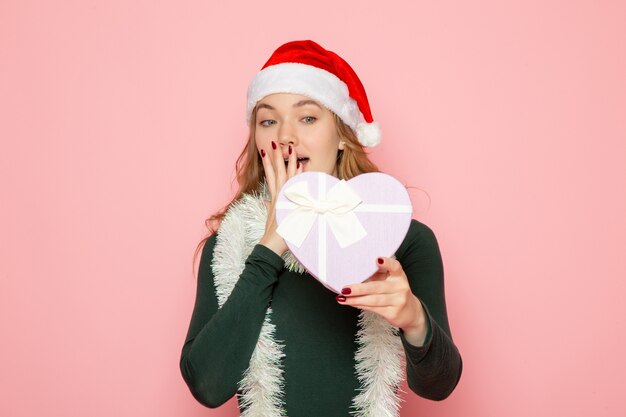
<point>388,294</point>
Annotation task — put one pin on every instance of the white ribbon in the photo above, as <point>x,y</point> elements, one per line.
<point>337,208</point>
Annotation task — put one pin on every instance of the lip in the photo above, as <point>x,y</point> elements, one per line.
<point>299,159</point>
<point>303,163</point>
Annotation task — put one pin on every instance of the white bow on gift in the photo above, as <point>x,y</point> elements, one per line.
<point>337,207</point>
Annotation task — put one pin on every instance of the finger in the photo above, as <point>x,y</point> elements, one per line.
<point>293,162</point>
<point>371,287</point>
<point>279,165</point>
<point>389,264</point>
<point>299,167</point>
<point>374,300</point>
<point>270,176</point>
<point>377,276</point>
<point>385,312</point>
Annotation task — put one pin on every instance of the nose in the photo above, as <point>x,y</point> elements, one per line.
<point>287,135</point>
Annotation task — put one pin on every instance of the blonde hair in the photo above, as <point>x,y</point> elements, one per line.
<point>351,161</point>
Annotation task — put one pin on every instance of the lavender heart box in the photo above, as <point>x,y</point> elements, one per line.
<point>336,229</point>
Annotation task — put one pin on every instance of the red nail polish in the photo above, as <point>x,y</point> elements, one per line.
<point>262,153</point>
<point>289,149</point>
<point>341,298</point>
<point>273,145</point>
<point>380,261</point>
<point>346,291</point>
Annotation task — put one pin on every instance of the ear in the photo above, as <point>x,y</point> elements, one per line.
<point>342,145</point>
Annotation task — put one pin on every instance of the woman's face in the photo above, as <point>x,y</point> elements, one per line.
<point>303,123</point>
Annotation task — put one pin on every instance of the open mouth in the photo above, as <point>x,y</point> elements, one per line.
<point>302,160</point>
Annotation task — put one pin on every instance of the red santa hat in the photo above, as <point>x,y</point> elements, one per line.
<point>304,67</point>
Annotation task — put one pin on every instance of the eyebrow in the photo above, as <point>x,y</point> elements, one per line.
<point>298,104</point>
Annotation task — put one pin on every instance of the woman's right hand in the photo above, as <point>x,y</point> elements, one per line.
<point>276,174</point>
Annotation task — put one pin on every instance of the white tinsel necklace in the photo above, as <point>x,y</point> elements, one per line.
<point>379,356</point>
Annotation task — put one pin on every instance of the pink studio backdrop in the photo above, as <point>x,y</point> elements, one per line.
<point>120,122</point>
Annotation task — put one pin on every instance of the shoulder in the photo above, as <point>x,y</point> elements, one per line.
<point>420,238</point>
<point>419,231</point>
<point>207,249</point>
<point>209,242</point>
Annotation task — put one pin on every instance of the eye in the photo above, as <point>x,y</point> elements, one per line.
<point>267,123</point>
<point>309,119</point>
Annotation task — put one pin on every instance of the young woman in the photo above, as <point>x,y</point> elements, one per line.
<point>262,327</point>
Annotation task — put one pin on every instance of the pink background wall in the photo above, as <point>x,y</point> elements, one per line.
<point>120,122</point>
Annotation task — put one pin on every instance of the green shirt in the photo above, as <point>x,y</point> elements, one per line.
<point>318,333</point>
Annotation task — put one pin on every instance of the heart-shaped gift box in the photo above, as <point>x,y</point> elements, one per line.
<point>337,228</point>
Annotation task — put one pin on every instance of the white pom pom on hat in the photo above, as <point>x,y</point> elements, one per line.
<point>304,67</point>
